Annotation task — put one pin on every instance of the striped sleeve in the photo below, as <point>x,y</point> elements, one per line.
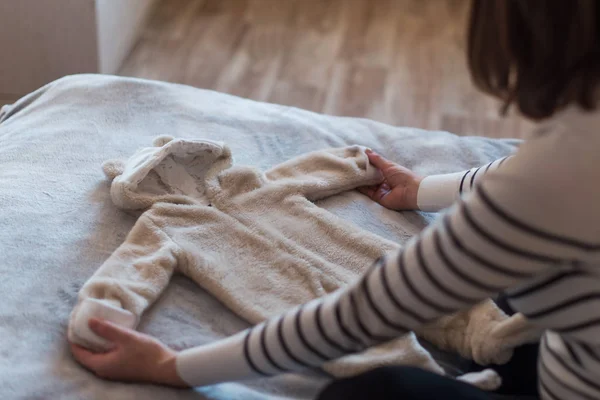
<point>437,192</point>
<point>497,237</point>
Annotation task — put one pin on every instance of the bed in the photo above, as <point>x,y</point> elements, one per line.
<point>57,222</point>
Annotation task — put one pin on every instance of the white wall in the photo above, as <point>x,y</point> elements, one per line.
<point>119,22</point>
<point>43,40</point>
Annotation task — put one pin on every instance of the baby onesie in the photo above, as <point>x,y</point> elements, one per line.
<point>258,243</point>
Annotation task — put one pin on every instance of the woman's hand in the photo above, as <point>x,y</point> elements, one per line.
<point>135,357</point>
<point>399,188</point>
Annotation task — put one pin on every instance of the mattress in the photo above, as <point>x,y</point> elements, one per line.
<point>57,222</point>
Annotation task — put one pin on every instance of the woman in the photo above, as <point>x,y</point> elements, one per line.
<point>529,225</point>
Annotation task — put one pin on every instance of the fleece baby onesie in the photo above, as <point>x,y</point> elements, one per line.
<point>257,242</point>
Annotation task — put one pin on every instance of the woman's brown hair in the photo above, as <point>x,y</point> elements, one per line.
<point>541,55</point>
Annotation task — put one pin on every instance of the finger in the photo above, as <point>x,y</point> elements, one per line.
<point>110,331</point>
<point>87,358</point>
<point>378,161</point>
<point>368,191</point>
<point>379,195</point>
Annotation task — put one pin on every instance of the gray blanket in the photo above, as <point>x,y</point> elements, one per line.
<point>57,222</point>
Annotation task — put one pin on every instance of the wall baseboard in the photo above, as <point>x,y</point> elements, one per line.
<point>118,24</point>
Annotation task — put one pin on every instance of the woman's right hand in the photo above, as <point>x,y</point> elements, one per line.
<point>399,188</point>
<point>134,357</point>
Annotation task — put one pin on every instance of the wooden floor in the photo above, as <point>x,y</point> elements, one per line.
<point>396,61</point>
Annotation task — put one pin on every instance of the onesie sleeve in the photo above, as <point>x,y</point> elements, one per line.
<point>131,279</point>
<point>437,192</point>
<point>324,173</point>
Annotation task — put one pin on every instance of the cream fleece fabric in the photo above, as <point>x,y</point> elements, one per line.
<point>258,243</point>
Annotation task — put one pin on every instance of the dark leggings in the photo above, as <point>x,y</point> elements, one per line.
<point>519,380</point>
<point>401,383</point>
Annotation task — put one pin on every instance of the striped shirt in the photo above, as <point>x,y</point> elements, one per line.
<point>528,224</point>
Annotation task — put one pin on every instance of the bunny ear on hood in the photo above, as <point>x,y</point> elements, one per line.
<point>113,168</point>
<point>174,170</point>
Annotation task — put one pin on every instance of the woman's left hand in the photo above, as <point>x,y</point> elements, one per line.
<point>134,357</point>
<point>399,188</point>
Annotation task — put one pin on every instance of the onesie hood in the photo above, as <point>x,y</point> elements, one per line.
<point>173,170</point>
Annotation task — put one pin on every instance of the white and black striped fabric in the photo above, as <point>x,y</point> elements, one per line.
<point>517,227</point>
